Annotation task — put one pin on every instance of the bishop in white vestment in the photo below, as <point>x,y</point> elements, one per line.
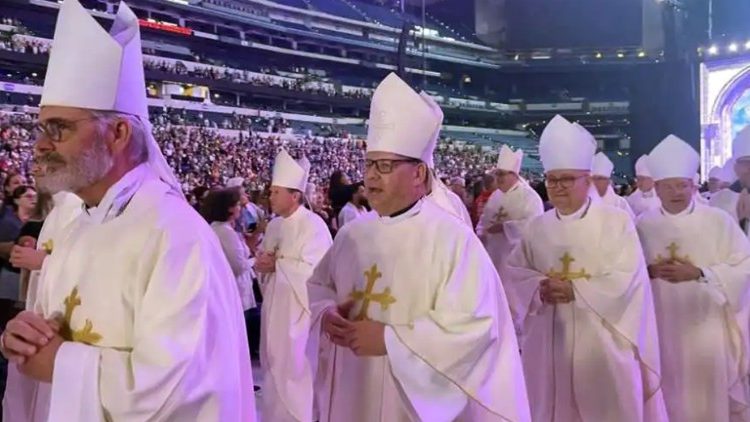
<point>644,198</point>
<point>719,179</point>
<point>409,297</point>
<point>736,199</point>
<point>294,243</point>
<point>699,262</point>
<point>507,212</point>
<point>601,172</point>
<point>137,316</point>
<point>589,340</point>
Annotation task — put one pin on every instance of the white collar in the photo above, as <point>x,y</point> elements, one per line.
<point>579,214</point>
<point>688,210</point>
<point>118,196</point>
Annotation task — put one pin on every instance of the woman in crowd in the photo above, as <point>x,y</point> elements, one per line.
<point>22,202</point>
<point>221,208</point>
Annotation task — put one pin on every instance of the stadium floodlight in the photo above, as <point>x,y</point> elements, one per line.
<point>713,49</point>
<point>747,45</point>
<point>733,47</point>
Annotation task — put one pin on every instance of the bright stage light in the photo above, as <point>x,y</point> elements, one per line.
<point>713,50</point>
<point>747,45</point>
<point>733,47</point>
<point>641,54</point>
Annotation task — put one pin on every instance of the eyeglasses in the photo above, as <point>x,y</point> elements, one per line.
<point>565,182</point>
<point>52,129</point>
<point>386,166</point>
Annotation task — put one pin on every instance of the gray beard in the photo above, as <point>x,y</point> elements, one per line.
<point>77,173</point>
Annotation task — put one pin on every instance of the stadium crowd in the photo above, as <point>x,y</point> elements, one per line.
<point>204,157</point>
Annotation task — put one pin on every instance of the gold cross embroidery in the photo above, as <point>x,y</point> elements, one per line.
<point>87,335</point>
<point>672,248</point>
<point>384,298</point>
<point>566,273</point>
<point>501,215</point>
<point>47,246</point>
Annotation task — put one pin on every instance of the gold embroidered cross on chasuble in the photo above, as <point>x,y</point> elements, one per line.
<point>500,216</point>
<point>383,298</point>
<point>566,272</point>
<point>86,335</point>
<point>48,246</point>
<point>672,249</point>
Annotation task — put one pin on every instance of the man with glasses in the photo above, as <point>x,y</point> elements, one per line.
<point>506,213</point>
<point>413,321</point>
<point>699,264</point>
<point>589,343</point>
<point>137,317</point>
<point>601,176</point>
<point>644,198</point>
<point>736,200</point>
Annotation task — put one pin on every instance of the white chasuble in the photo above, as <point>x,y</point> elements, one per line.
<point>502,224</point>
<point>703,324</point>
<point>451,349</point>
<point>596,358</point>
<point>727,200</point>
<point>152,317</point>
<point>299,242</point>
<point>641,201</point>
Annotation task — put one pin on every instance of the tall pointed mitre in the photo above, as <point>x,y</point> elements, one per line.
<point>92,69</point>
<point>741,143</point>
<point>402,121</point>
<point>566,146</point>
<point>728,175</point>
<point>717,172</point>
<point>602,165</point>
<point>290,173</point>
<point>673,158</point>
<point>641,166</point>
<point>509,160</point>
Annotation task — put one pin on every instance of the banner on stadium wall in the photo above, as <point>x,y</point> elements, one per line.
<point>164,26</point>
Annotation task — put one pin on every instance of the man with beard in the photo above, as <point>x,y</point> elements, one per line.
<point>355,207</point>
<point>135,318</point>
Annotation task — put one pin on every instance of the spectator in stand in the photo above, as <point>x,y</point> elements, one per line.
<point>489,184</point>
<point>355,207</point>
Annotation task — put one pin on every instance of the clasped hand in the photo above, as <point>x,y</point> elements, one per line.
<point>553,291</point>
<point>265,263</point>
<point>31,342</point>
<point>674,271</point>
<point>363,337</point>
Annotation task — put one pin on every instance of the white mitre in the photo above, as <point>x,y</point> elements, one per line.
<point>566,146</point>
<point>509,160</point>
<point>402,121</point>
<point>673,158</point>
<point>741,143</point>
<point>727,174</point>
<point>91,69</point>
<point>602,165</point>
<point>235,182</point>
<point>641,166</point>
<point>290,173</point>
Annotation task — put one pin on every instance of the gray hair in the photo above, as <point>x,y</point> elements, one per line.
<point>137,152</point>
